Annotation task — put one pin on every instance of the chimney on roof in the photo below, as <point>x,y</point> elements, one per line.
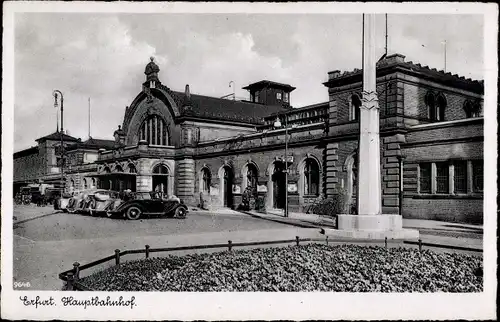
<point>395,59</point>
<point>333,74</point>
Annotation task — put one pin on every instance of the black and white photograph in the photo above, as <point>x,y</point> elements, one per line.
<point>245,161</point>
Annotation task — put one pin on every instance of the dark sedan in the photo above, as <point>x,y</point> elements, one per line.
<point>144,204</point>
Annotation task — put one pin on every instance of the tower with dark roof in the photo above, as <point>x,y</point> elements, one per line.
<point>270,93</point>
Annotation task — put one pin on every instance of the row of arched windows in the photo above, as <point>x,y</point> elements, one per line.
<point>130,169</point>
<point>311,178</point>
<point>436,105</point>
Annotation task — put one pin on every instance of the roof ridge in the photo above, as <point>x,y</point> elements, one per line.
<point>410,64</point>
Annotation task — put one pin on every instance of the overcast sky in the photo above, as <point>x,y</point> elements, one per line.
<point>102,56</point>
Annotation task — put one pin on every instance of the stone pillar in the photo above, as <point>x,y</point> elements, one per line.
<point>369,191</point>
<point>370,223</point>
<point>185,175</point>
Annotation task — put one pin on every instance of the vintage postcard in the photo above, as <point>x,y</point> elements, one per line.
<point>248,161</point>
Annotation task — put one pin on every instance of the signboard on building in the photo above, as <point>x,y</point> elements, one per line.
<point>262,188</point>
<point>292,187</point>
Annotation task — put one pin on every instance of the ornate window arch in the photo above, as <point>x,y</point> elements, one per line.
<point>154,130</point>
<point>85,183</point>
<point>160,169</point>
<point>354,105</point>
<point>311,177</point>
<point>118,168</point>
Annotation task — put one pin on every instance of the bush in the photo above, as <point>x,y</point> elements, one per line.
<point>331,207</point>
<point>312,267</point>
<point>260,204</point>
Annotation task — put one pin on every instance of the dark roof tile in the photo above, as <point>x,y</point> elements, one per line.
<point>57,136</point>
<point>94,144</point>
<point>225,109</point>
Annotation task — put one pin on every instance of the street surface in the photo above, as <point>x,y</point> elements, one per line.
<point>47,243</point>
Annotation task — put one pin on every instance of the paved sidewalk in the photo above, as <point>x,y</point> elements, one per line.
<point>431,231</point>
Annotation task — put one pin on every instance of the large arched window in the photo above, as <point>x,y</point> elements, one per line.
<point>85,184</point>
<point>206,180</point>
<point>154,131</point>
<point>354,105</point>
<point>311,177</point>
<point>252,176</point>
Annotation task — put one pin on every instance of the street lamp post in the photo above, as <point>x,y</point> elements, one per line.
<point>57,93</point>
<point>277,124</point>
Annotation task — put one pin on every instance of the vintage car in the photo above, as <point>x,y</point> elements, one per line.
<point>61,203</point>
<point>99,201</point>
<point>141,204</point>
<point>78,201</point>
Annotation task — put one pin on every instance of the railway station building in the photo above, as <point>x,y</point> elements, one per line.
<point>196,146</point>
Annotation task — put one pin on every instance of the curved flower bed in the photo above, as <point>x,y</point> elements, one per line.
<point>313,267</point>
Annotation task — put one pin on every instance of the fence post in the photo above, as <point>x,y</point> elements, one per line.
<point>69,282</point>
<point>147,251</point>
<point>76,270</point>
<point>385,242</point>
<point>229,245</point>
<point>420,244</point>
<point>327,240</point>
<point>117,257</point>
<point>297,240</point>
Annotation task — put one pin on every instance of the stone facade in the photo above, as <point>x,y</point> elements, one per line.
<point>199,147</point>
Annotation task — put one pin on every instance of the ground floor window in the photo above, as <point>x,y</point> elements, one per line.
<point>442,177</point>
<point>451,177</point>
<point>477,176</point>
<point>425,177</point>
<point>460,176</point>
<point>206,178</point>
<point>311,177</point>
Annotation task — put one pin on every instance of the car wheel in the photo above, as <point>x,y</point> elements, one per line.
<point>133,213</point>
<point>180,212</point>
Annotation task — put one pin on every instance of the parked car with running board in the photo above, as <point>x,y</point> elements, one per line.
<point>147,204</point>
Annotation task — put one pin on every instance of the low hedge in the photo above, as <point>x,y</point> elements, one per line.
<point>312,267</point>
